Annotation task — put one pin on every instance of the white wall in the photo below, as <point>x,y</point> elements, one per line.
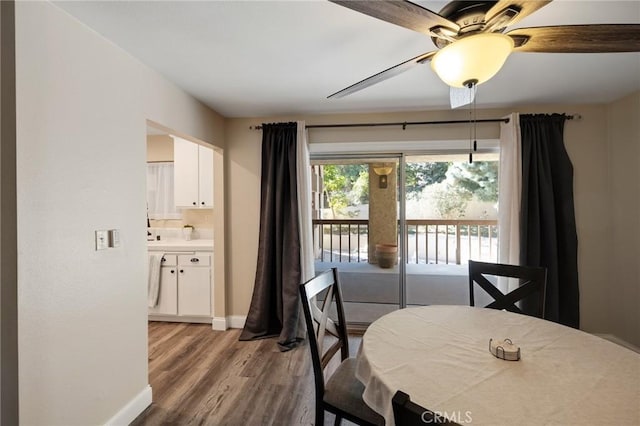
<point>82,105</point>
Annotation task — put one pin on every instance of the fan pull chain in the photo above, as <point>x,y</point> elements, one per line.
<point>470,86</point>
<point>472,121</point>
<point>475,126</point>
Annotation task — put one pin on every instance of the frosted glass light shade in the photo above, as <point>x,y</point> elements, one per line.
<point>477,57</point>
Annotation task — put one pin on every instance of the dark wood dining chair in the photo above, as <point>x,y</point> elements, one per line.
<point>341,393</point>
<point>408,413</point>
<point>533,282</point>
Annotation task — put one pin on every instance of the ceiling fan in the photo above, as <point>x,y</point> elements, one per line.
<point>472,42</point>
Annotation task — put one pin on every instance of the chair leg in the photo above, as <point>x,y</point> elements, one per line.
<point>337,421</point>
<point>319,416</point>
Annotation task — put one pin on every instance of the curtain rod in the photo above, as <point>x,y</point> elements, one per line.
<point>404,124</point>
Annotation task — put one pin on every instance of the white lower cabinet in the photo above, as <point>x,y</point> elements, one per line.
<point>194,285</point>
<point>185,287</point>
<point>168,291</point>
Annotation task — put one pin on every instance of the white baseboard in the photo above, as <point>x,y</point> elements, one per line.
<point>129,412</point>
<point>618,341</point>
<point>219,323</point>
<point>236,321</point>
<point>172,318</point>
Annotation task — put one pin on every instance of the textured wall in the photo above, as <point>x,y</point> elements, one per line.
<point>383,210</point>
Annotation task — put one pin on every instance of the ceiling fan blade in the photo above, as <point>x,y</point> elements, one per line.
<point>403,13</point>
<point>383,75</point>
<point>597,38</point>
<point>500,15</point>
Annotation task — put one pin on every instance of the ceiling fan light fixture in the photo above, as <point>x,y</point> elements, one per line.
<point>476,57</point>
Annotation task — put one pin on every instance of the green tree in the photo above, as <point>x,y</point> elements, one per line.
<point>479,179</point>
<point>451,202</point>
<point>360,189</point>
<point>419,175</point>
<point>345,185</point>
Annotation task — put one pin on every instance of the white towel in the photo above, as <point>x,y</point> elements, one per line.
<point>155,260</point>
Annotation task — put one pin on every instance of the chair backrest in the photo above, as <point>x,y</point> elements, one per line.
<point>320,325</point>
<point>532,280</point>
<point>407,413</point>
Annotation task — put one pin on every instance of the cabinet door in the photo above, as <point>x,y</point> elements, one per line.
<point>205,188</point>
<point>168,294</point>
<point>194,291</point>
<point>185,168</point>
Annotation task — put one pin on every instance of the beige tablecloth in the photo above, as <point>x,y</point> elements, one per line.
<point>440,356</point>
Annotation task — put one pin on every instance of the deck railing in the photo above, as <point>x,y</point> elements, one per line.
<point>341,240</point>
<point>428,241</point>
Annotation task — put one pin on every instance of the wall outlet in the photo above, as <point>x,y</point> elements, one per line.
<point>114,238</point>
<point>102,239</point>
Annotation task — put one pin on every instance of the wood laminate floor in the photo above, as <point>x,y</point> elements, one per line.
<point>204,377</point>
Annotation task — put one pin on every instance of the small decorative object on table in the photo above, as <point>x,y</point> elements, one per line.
<point>186,232</point>
<point>504,349</point>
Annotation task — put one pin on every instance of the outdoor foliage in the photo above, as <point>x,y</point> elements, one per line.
<point>451,202</point>
<point>345,185</point>
<point>420,175</point>
<point>479,179</point>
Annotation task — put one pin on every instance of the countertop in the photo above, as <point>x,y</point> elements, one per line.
<point>170,245</point>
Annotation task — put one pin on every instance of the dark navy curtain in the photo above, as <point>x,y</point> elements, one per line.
<point>275,304</point>
<point>548,228</point>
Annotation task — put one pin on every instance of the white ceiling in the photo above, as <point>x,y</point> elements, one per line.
<point>258,58</point>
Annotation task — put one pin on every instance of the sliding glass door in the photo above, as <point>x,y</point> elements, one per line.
<point>401,228</point>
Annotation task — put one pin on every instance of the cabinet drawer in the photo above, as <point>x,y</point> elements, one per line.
<point>169,260</point>
<point>194,260</point>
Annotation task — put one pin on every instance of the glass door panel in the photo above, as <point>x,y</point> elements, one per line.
<point>451,217</point>
<point>355,228</point>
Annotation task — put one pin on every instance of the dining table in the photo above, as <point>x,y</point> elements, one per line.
<point>440,357</point>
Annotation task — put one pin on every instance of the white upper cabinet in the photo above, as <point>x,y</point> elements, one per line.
<point>205,169</point>
<point>193,169</point>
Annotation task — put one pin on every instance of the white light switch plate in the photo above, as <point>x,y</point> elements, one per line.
<point>114,238</point>
<point>102,239</point>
